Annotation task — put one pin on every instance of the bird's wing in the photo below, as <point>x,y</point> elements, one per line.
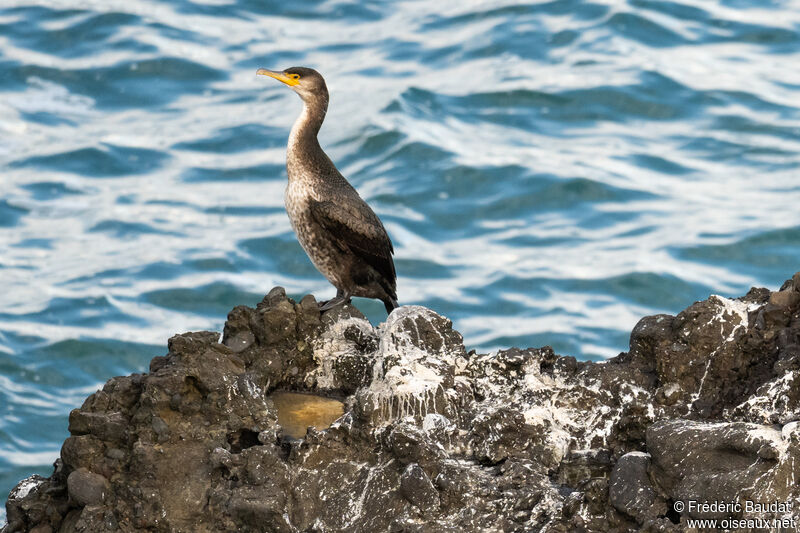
<point>359,230</point>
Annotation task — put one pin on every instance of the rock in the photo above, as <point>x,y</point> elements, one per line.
<point>411,444</point>
<point>343,351</point>
<point>722,462</point>
<point>161,429</point>
<point>699,353</point>
<point>789,299</point>
<point>105,426</point>
<point>498,434</point>
<point>416,487</point>
<point>630,490</point>
<point>86,488</point>
<point>413,368</point>
<point>704,406</point>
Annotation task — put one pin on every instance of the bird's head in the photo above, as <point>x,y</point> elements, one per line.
<point>306,82</point>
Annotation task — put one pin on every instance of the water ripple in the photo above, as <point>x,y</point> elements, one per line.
<point>105,161</point>
<point>548,171</point>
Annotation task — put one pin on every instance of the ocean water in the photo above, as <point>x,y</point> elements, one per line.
<point>549,171</point>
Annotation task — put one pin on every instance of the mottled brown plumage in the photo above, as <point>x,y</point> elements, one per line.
<point>342,236</point>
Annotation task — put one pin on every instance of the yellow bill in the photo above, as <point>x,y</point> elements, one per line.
<point>291,79</point>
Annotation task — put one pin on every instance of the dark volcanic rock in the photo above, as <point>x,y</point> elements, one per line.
<point>416,487</point>
<point>724,462</point>
<point>86,488</point>
<point>631,491</point>
<point>704,407</point>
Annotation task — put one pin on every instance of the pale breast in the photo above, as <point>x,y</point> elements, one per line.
<point>312,237</point>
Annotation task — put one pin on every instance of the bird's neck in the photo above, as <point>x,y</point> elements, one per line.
<point>303,138</point>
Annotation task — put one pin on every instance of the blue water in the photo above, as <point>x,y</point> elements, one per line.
<point>549,172</point>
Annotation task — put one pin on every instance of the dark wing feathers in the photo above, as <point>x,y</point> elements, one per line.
<point>357,228</point>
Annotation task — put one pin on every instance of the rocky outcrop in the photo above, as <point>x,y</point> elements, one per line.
<point>703,408</point>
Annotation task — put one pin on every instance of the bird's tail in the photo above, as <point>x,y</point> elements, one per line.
<point>390,304</point>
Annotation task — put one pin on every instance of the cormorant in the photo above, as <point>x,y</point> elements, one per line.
<point>342,236</point>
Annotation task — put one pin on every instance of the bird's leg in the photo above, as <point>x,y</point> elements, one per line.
<point>341,297</point>
<point>325,302</point>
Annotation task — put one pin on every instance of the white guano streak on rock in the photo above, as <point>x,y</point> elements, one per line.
<point>732,308</point>
<point>24,488</point>
<point>765,403</point>
<point>726,307</point>
<point>332,344</point>
<point>565,421</point>
<point>411,385</point>
<point>357,506</point>
<point>765,483</point>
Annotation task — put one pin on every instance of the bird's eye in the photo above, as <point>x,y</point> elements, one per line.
<point>294,76</point>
